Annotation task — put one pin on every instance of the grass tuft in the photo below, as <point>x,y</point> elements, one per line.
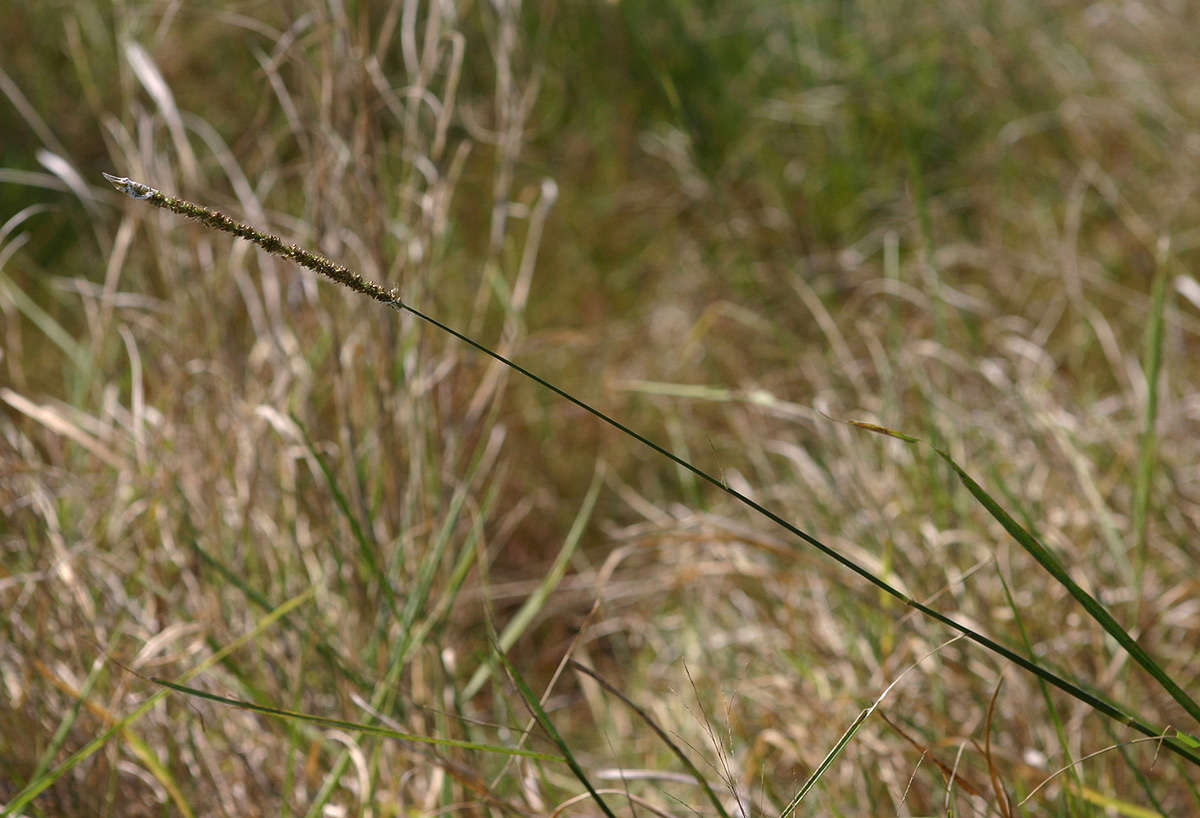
<point>727,226</point>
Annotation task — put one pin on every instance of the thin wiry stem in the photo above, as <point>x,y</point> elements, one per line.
<point>658,731</point>
<point>347,278</point>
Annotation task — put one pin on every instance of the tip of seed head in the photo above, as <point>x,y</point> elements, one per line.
<point>129,187</point>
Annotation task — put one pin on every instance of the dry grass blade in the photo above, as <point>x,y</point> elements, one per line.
<point>1003,802</point>
<point>949,772</point>
<point>1122,807</point>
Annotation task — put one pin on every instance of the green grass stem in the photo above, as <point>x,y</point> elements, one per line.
<point>1148,444</point>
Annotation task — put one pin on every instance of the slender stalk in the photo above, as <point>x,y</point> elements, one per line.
<point>658,731</point>
<point>1148,445</point>
<point>347,278</point>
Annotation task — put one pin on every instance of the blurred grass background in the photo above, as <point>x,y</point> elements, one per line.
<point>723,223</point>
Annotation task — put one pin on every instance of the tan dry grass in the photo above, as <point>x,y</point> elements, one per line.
<point>1044,224</point>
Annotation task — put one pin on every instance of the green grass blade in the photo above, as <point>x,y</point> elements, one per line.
<point>143,753</point>
<point>848,735</point>
<point>537,600</point>
<point>332,656</point>
<point>827,762</point>
<point>365,546</point>
<point>418,596</point>
<point>535,708</point>
<point>1191,784</point>
<point>354,726</point>
<point>41,319</point>
<point>1148,445</point>
<point>1136,771</point>
<point>458,574</point>
<point>68,721</point>
<point>328,787</point>
<point>1095,609</point>
<point>411,632</point>
<point>1059,728</point>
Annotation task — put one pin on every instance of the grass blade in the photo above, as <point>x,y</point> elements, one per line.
<point>68,721</point>
<point>534,603</point>
<point>1095,609</point>
<point>827,762</point>
<point>365,545</point>
<point>354,726</point>
<point>1148,446</point>
<point>848,736</point>
<point>41,319</point>
<point>535,708</point>
<point>653,725</point>
<point>1060,729</point>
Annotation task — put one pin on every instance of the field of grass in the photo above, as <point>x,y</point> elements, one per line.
<point>918,281</point>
